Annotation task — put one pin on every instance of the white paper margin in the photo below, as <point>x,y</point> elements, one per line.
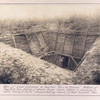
<point>17,96</point>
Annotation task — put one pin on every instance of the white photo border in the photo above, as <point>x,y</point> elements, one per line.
<point>96,97</point>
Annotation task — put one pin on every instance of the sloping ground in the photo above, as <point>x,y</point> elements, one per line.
<point>89,70</point>
<point>18,67</point>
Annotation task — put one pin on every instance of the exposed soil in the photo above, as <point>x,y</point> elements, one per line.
<point>18,67</point>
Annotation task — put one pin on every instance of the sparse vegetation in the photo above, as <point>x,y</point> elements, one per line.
<point>73,23</point>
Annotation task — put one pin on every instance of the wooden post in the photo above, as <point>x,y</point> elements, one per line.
<point>28,44</point>
<point>64,43</point>
<point>56,42</point>
<point>46,46</point>
<point>14,41</point>
<point>57,36</point>
<point>49,41</point>
<point>74,61</point>
<point>85,45</point>
<point>43,37</point>
<point>68,62</point>
<point>73,43</point>
<point>37,39</point>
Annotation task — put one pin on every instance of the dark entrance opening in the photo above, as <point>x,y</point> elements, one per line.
<point>70,63</point>
<point>65,61</point>
<point>21,35</point>
<point>62,61</point>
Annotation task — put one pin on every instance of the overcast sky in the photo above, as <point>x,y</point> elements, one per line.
<point>47,10</point>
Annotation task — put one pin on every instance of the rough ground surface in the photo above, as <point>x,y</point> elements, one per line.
<point>89,70</point>
<point>18,67</point>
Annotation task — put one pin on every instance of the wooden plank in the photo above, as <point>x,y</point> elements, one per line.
<point>74,61</point>
<point>56,42</point>
<point>68,44</point>
<point>37,39</point>
<point>49,41</point>
<point>67,55</point>
<point>79,43</point>
<point>42,42</point>
<point>57,35</point>
<point>43,37</point>
<point>59,47</point>
<point>28,44</point>
<point>14,41</point>
<point>46,45</point>
<point>64,44</point>
<point>78,53</point>
<point>68,62</point>
<point>80,62</point>
<point>85,44</point>
<point>73,43</point>
<point>52,42</point>
<point>34,45</point>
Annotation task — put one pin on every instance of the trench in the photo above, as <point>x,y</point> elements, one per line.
<point>63,50</point>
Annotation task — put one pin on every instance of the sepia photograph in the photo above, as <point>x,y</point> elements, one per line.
<point>50,44</point>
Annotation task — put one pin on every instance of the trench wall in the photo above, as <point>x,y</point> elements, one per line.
<point>40,44</point>
<point>75,45</point>
<point>7,39</point>
<point>21,43</point>
<point>16,41</point>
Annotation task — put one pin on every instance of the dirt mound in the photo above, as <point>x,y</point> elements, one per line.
<point>18,67</point>
<point>89,70</point>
